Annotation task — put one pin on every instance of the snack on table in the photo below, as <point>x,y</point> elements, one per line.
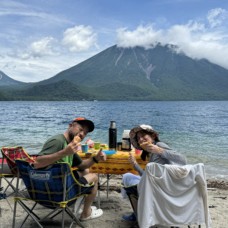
<point>90,143</point>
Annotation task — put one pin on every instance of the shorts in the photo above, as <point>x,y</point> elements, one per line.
<point>86,189</point>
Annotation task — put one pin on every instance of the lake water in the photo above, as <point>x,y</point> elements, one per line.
<point>197,129</point>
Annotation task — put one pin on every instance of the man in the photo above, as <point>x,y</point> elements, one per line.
<point>63,148</point>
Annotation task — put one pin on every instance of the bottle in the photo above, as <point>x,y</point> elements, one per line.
<point>112,135</point>
<point>126,143</point>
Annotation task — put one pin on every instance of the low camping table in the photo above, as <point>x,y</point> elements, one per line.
<point>117,163</point>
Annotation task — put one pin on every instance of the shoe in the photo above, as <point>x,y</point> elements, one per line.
<point>96,213</point>
<point>129,218</point>
<point>81,209</point>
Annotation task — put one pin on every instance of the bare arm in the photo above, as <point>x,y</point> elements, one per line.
<point>100,156</point>
<point>45,160</point>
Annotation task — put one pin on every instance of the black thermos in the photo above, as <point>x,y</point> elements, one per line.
<point>112,135</point>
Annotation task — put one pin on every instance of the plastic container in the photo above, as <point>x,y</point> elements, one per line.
<point>126,143</point>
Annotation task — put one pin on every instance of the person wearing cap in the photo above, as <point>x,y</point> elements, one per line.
<point>63,148</point>
<point>145,138</point>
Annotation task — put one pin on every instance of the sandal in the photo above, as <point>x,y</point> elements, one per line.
<point>81,209</point>
<point>95,213</point>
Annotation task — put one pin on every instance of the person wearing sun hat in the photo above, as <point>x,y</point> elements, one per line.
<point>145,138</point>
<point>64,148</point>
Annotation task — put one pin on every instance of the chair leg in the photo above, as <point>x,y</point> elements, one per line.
<point>30,213</point>
<point>4,196</point>
<point>75,219</point>
<point>14,213</point>
<point>77,204</point>
<point>63,217</point>
<point>134,202</point>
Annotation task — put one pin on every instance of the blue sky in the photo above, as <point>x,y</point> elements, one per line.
<point>40,38</point>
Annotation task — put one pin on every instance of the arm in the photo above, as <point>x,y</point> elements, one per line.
<point>162,154</point>
<point>135,164</point>
<point>53,151</point>
<point>171,156</point>
<point>100,156</point>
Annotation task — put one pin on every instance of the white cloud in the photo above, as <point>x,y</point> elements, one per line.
<point>142,36</point>
<point>79,38</point>
<point>216,16</point>
<point>43,47</point>
<point>195,39</point>
<point>36,44</point>
<point>34,70</point>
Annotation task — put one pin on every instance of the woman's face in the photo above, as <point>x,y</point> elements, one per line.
<point>144,137</point>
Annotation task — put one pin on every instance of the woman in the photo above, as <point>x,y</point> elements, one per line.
<point>145,138</point>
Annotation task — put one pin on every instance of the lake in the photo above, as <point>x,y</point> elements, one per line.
<point>197,129</point>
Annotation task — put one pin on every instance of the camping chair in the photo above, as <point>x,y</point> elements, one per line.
<point>132,194</point>
<point>2,192</point>
<point>54,188</point>
<point>10,154</point>
<point>172,195</point>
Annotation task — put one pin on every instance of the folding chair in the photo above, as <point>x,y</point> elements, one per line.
<point>54,188</point>
<point>172,195</point>
<point>10,154</point>
<point>133,197</point>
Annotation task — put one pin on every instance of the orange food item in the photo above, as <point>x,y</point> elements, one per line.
<point>77,139</point>
<point>144,145</point>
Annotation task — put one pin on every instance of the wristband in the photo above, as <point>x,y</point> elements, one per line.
<point>95,160</point>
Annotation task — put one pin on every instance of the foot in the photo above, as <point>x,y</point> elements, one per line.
<point>81,209</point>
<point>129,218</point>
<point>95,213</point>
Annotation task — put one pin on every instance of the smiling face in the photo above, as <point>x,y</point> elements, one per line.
<point>144,137</point>
<point>77,129</point>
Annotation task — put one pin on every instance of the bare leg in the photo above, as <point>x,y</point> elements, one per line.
<point>91,177</point>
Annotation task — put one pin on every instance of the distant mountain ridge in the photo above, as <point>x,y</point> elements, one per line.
<point>7,81</point>
<point>135,74</point>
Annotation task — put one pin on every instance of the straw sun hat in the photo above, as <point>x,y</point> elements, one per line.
<point>135,130</point>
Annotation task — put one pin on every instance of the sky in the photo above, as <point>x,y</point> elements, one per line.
<point>40,38</point>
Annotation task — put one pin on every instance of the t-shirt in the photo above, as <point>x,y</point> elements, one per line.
<point>57,143</point>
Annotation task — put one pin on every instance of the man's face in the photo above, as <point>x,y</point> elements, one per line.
<point>77,129</point>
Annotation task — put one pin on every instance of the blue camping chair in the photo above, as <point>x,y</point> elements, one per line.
<point>54,187</point>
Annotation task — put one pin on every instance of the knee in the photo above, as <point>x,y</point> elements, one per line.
<point>126,177</point>
<point>86,171</point>
<point>130,179</point>
<point>95,178</point>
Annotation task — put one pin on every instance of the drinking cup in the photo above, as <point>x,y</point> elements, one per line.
<point>97,145</point>
<point>137,151</point>
<point>85,148</point>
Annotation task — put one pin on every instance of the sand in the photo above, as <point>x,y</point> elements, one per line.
<point>114,206</point>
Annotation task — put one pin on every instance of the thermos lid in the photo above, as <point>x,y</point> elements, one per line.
<point>112,124</point>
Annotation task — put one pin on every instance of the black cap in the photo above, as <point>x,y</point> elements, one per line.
<point>83,120</point>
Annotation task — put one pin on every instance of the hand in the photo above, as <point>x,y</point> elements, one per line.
<point>154,149</point>
<point>72,148</point>
<point>101,156</point>
<point>132,159</point>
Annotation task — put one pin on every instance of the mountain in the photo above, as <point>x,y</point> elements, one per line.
<point>135,74</point>
<point>8,86</point>
<point>6,81</point>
